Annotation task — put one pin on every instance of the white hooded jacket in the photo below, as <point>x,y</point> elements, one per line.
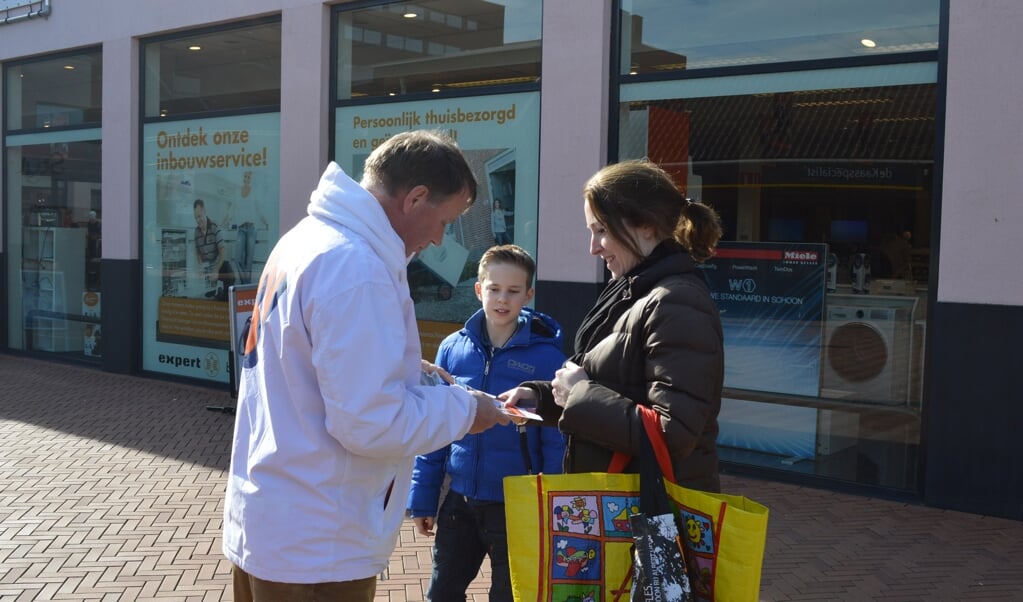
<point>330,411</point>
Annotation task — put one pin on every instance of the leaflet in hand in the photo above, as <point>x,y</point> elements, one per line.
<point>513,411</point>
<point>517,412</point>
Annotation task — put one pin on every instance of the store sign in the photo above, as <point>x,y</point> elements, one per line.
<point>846,174</point>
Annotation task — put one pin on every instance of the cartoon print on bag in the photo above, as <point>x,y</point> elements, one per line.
<point>699,533</point>
<point>576,558</point>
<point>616,515</point>
<point>575,592</point>
<point>575,514</point>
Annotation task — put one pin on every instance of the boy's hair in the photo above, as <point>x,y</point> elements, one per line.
<point>509,254</point>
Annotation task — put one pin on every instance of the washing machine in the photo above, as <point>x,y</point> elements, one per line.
<point>867,348</point>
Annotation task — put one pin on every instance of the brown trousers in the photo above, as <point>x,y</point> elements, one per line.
<point>251,589</point>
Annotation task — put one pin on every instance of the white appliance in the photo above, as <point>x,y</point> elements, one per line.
<point>867,348</point>
<point>831,273</point>
<point>859,272</point>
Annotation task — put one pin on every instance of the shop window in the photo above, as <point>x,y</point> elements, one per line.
<point>54,93</point>
<point>820,180</point>
<point>54,205</point>
<point>436,47</point>
<point>670,36</point>
<point>228,69</point>
<point>210,189</point>
<point>467,67</point>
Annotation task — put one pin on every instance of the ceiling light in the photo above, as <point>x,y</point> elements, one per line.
<point>69,67</point>
<point>410,15</point>
<point>195,47</point>
<point>436,88</point>
<point>868,42</point>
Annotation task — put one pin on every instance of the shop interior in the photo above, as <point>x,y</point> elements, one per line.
<point>851,169</point>
<point>60,234</point>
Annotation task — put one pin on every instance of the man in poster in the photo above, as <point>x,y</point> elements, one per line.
<point>210,251</point>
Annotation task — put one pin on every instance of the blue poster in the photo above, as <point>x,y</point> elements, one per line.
<point>771,299</point>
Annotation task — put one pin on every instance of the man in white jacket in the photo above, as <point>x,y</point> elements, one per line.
<point>330,411</point>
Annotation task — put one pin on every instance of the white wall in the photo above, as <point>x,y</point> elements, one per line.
<point>573,133</point>
<point>982,210</point>
<point>120,115</point>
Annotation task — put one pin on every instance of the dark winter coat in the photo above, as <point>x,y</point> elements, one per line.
<point>653,338</point>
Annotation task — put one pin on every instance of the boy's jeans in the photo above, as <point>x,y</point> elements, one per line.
<point>466,532</point>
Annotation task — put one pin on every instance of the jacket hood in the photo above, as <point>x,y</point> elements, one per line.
<point>340,200</point>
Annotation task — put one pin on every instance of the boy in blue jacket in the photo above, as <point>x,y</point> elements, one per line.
<point>502,344</point>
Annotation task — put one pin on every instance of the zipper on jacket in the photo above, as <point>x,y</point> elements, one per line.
<point>488,355</point>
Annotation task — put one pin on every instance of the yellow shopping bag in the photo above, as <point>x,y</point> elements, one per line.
<point>569,538</point>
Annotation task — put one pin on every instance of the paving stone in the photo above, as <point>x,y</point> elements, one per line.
<point>111,488</point>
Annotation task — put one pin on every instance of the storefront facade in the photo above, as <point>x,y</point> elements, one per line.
<point>151,161</point>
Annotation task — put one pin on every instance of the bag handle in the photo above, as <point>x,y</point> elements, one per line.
<point>652,426</point>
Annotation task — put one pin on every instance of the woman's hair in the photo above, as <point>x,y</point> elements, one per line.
<point>639,193</point>
<point>430,158</point>
<point>510,255</point>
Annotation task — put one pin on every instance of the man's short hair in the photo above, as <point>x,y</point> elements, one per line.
<point>507,254</point>
<point>421,157</point>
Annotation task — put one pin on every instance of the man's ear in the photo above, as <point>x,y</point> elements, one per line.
<point>529,294</point>
<point>415,196</point>
<point>479,290</point>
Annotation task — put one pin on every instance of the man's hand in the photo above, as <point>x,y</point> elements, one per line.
<point>424,525</point>
<point>431,368</point>
<point>487,413</point>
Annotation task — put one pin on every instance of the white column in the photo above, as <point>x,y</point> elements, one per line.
<point>305,82</point>
<point>573,132</point>
<point>120,153</point>
<point>981,211</point>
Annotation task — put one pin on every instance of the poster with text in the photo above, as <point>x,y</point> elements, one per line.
<point>210,210</point>
<point>499,135</point>
<point>771,300</point>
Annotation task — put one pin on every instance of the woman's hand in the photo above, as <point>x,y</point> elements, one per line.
<point>523,396</point>
<point>566,378</point>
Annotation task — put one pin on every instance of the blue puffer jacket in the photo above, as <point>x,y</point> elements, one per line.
<point>478,464</point>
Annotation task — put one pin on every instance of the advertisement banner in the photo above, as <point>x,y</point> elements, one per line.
<point>499,135</point>
<point>771,300</point>
<point>210,208</point>
<point>242,300</point>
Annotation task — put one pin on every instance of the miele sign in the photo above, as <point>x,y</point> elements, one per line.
<point>12,11</point>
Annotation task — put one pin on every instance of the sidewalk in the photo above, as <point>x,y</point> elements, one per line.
<point>111,488</point>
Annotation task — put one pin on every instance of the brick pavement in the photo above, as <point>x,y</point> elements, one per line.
<point>111,488</point>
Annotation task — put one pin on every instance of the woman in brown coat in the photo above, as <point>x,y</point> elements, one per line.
<point>653,337</point>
